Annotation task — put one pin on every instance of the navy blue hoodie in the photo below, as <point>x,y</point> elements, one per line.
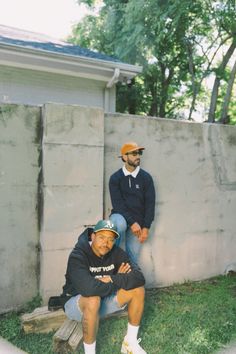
<point>84,267</point>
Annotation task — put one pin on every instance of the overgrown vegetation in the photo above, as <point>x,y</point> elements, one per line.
<point>187,50</point>
<point>192,318</point>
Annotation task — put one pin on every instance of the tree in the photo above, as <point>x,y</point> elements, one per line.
<point>225,118</point>
<point>226,22</point>
<point>176,41</point>
<point>219,75</point>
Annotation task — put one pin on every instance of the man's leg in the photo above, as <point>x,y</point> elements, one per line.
<point>132,246</point>
<point>135,300</point>
<point>86,310</point>
<point>90,308</point>
<point>121,225</point>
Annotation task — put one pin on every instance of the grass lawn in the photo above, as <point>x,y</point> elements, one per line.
<point>192,318</point>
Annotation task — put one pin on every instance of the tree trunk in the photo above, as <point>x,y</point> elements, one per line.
<point>224,113</point>
<point>194,85</point>
<point>165,83</point>
<point>153,111</point>
<point>214,94</point>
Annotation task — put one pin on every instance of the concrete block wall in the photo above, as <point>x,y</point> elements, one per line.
<point>20,148</point>
<point>73,150</point>
<point>55,165</point>
<point>194,170</point>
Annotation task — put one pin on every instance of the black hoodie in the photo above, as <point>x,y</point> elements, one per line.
<point>84,267</point>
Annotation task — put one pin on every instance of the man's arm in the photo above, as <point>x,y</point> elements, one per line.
<point>117,200</point>
<point>149,202</point>
<point>84,283</point>
<point>129,275</point>
<point>124,268</point>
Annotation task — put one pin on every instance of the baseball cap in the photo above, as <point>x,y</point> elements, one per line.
<point>106,225</point>
<point>129,147</point>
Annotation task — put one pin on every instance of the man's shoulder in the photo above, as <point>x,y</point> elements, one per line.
<point>117,174</point>
<point>118,253</point>
<point>144,173</point>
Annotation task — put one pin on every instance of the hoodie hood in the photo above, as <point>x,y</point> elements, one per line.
<point>84,244</point>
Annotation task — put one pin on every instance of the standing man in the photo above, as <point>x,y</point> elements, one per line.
<point>133,200</point>
<point>100,279</point>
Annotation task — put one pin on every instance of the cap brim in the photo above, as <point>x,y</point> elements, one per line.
<point>117,235</point>
<point>137,148</point>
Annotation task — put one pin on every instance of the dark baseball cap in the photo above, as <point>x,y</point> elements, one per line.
<point>106,225</point>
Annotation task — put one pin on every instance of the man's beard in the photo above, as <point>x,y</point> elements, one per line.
<point>133,163</point>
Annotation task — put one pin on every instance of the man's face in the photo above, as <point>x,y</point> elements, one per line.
<point>132,159</point>
<point>102,242</point>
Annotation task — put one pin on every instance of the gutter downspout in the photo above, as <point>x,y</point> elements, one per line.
<point>114,78</point>
<point>109,85</point>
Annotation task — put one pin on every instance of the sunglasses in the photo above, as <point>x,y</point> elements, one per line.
<point>135,153</point>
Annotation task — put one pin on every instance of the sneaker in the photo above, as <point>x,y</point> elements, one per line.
<point>132,347</point>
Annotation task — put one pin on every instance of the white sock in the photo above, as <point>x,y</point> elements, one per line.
<point>90,348</point>
<point>132,332</point>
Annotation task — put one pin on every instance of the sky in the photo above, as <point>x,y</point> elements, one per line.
<point>54,18</point>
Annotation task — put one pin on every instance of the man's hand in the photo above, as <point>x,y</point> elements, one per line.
<point>106,279</point>
<point>136,229</point>
<point>144,235</point>
<point>124,268</point>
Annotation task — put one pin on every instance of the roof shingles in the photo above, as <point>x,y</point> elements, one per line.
<point>31,40</point>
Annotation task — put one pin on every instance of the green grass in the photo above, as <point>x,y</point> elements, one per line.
<point>192,318</point>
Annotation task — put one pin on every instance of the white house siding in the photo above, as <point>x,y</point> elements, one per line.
<point>31,87</point>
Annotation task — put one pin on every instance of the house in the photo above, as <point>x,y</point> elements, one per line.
<point>35,69</point>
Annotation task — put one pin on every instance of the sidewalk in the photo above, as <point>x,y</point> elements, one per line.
<point>229,349</point>
<point>8,348</point>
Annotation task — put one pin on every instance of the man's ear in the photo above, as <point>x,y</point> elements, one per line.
<point>93,236</point>
<point>124,158</point>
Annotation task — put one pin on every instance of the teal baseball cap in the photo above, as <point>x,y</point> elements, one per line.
<point>106,225</point>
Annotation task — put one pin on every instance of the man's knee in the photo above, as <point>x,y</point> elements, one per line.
<point>138,293</point>
<point>119,221</point>
<point>90,304</point>
<point>125,296</point>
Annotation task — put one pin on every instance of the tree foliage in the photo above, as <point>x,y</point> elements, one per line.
<point>176,41</point>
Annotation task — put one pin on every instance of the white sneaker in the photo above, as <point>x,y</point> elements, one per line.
<point>132,347</point>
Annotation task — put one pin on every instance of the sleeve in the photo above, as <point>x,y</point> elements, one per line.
<point>131,280</point>
<point>118,203</point>
<point>150,200</point>
<point>83,282</point>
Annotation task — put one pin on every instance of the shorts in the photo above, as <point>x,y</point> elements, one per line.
<point>109,304</point>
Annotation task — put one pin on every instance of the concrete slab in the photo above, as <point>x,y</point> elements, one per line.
<point>230,349</point>
<point>8,348</point>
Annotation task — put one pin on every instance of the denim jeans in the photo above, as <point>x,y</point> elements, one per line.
<point>127,241</point>
<point>109,304</point>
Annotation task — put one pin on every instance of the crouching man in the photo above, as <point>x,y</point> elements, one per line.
<point>100,279</point>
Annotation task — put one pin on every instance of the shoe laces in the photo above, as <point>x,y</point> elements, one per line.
<point>135,345</point>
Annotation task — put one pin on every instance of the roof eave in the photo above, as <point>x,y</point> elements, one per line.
<point>78,66</point>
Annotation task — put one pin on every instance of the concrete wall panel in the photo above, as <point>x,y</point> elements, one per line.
<point>73,154</point>
<point>193,166</point>
<point>67,211</point>
<point>78,163</point>
<point>19,237</point>
<point>53,271</point>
